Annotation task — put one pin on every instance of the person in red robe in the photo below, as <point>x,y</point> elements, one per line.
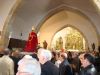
<point>32,42</point>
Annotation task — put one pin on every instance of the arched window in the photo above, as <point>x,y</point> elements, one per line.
<point>68,38</point>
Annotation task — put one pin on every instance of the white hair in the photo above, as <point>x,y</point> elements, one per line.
<point>64,54</point>
<point>46,53</point>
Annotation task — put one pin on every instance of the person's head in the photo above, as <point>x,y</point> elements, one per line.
<point>88,59</point>
<point>74,54</point>
<point>69,55</point>
<point>1,53</point>
<point>2,50</point>
<point>81,57</point>
<point>63,56</point>
<point>53,54</point>
<point>44,55</point>
<point>15,53</point>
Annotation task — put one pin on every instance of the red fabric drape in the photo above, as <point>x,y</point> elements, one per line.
<point>31,43</point>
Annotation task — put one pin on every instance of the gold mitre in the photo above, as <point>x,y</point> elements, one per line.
<point>33,28</point>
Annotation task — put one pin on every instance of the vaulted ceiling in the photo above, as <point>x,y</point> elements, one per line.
<point>36,12</point>
<point>32,12</point>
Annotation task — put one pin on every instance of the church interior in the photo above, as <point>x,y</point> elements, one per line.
<point>49,37</point>
<point>64,24</point>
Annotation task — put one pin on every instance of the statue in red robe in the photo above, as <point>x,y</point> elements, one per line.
<point>32,42</point>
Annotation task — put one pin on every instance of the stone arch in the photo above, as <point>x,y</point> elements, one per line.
<point>5,31</point>
<point>62,8</point>
<point>67,8</point>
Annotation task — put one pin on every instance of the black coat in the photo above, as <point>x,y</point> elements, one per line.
<point>89,70</point>
<point>65,68</point>
<point>49,69</point>
<point>15,60</point>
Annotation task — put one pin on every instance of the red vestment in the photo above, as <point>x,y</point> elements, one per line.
<point>31,43</point>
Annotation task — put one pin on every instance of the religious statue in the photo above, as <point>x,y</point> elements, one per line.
<point>45,44</point>
<point>93,46</point>
<point>32,42</point>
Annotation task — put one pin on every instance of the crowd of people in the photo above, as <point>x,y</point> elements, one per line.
<point>47,62</point>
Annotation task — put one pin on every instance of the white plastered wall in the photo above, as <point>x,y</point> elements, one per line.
<point>5,8</point>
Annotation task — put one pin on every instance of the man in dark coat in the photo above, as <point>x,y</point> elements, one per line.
<point>65,68</point>
<point>87,65</point>
<point>47,67</point>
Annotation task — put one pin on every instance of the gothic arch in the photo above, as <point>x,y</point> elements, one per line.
<point>6,26</point>
<point>68,25</point>
<point>70,9</point>
<point>66,8</point>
